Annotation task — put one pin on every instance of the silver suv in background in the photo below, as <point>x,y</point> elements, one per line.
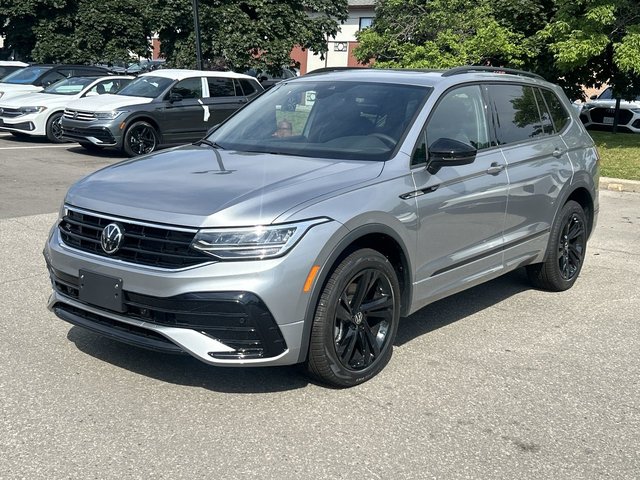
<point>303,235</point>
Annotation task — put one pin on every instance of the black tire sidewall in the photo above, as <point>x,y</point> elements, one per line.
<point>568,210</point>
<point>125,140</point>
<point>326,310</point>
<point>49,128</point>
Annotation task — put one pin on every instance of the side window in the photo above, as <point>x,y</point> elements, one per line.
<point>51,77</point>
<point>459,115</point>
<point>545,116</point>
<point>221,87</point>
<point>247,86</point>
<point>558,113</point>
<point>188,88</point>
<point>518,117</point>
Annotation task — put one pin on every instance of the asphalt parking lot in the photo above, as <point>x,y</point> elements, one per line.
<point>498,382</point>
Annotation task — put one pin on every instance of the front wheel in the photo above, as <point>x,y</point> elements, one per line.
<point>54,128</point>
<point>565,252</point>
<point>356,320</point>
<point>140,138</point>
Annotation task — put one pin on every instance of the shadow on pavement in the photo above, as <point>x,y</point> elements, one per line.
<point>185,370</point>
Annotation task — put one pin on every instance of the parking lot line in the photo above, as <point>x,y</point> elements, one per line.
<point>31,148</point>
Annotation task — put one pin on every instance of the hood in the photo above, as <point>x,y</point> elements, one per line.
<point>106,102</point>
<point>13,89</point>
<point>35,99</point>
<point>203,187</point>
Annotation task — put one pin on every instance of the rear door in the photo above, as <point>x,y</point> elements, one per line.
<point>537,164</point>
<point>225,97</point>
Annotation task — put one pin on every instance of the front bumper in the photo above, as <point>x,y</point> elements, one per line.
<point>222,313</point>
<point>102,133</point>
<point>32,124</point>
<point>602,119</point>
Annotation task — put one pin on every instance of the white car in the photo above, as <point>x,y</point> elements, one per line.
<point>39,113</point>
<point>599,113</point>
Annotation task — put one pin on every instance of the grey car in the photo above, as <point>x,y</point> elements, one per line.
<point>303,235</point>
<point>159,108</point>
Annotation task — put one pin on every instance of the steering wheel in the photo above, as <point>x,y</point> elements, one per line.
<point>388,140</point>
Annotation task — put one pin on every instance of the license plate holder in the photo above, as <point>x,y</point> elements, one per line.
<point>607,120</point>
<point>101,291</point>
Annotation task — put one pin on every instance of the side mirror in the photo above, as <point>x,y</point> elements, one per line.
<point>447,152</point>
<point>175,97</point>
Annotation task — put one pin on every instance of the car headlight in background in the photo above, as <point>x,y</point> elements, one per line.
<point>256,243</point>
<point>109,115</point>
<point>28,110</point>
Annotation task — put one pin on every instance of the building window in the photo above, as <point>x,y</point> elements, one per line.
<point>365,22</point>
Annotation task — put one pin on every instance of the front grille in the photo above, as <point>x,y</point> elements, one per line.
<point>102,134</point>
<point>240,320</point>
<point>79,115</point>
<point>598,114</point>
<point>156,246</point>
<point>10,112</point>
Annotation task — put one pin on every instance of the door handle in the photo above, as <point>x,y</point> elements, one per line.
<point>495,168</point>
<point>558,153</point>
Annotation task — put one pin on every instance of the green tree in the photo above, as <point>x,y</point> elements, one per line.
<point>82,31</point>
<point>246,34</point>
<point>600,39</point>
<point>439,34</point>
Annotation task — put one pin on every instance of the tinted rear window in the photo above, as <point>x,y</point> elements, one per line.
<point>558,113</point>
<point>518,116</point>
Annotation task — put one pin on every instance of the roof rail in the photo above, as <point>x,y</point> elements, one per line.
<point>335,69</point>
<point>471,68</point>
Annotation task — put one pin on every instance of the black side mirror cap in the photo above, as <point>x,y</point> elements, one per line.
<point>175,97</point>
<point>447,152</point>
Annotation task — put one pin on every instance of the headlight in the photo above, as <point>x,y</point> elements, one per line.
<point>28,110</point>
<point>259,242</point>
<point>109,115</point>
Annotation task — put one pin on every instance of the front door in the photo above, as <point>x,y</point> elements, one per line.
<point>183,117</point>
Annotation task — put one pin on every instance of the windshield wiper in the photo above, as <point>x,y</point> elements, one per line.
<point>209,143</point>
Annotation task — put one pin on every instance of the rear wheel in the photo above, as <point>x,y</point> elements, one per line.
<point>565,252</point>
<point>54,128</point>
<point>141,138</point>
<point>356,320</point>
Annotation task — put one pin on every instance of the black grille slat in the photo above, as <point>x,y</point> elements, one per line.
<point>144,245</point>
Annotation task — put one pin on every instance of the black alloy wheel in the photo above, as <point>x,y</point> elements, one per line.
<point>54,128</point>
<point>141,138</point>
<point>356,320</point>
<point>565,252</point>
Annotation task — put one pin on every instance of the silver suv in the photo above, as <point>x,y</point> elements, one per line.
<point>303,234</point>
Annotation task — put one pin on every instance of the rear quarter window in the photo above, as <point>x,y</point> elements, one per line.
<point>559,114</point>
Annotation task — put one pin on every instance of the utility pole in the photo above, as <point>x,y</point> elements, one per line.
<point>196,28</point>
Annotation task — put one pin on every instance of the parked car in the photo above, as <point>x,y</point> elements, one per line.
<point>145,66</point>
<point>165,107</point>
<point>39,113</point>
<point>304,236</point>
<point>37,77</point>
<point>10,66</point>
<point>268,80</point>
<point>599,113</point>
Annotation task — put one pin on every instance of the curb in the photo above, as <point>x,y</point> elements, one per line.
<point>619,185</point>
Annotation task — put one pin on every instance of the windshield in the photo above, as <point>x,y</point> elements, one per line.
<point>25,76</point>
<point>342,120</point>
<point>69,86</point>
<point>149,87</point>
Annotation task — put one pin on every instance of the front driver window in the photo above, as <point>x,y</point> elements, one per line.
<point>188,88</point>
<point>459,115</point>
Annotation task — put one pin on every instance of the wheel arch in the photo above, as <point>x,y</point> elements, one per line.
<point>379,237</point>
<point>143,118</point>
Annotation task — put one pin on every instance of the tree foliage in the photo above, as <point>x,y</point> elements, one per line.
<point>82,31</point>
<point>251,33</point>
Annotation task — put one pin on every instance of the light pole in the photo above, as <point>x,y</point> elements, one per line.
<point>196,28</point>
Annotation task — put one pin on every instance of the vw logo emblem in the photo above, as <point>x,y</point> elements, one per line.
<point>75,114</point>
<point>111,238</point>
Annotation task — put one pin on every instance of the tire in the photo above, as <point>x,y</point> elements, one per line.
<point>54,129</point>
<point>90,146</point>
<point>351,344</point>
<point>565,252</point>
<point>139,139</point>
